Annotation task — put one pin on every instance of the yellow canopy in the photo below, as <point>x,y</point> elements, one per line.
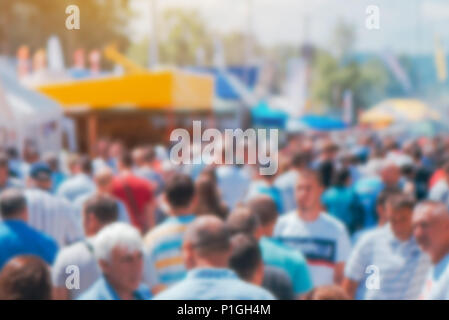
<point>396,110</point>
<point>155,90</point>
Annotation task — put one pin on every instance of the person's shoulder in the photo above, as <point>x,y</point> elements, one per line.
<point>332,223</point>
<point>94,292</point>
<point>73,251</point>
<point>371,236</point>
<point>159,232</point>
<point>252,292</point>
<point>174,292</point>
<point>288,217</point>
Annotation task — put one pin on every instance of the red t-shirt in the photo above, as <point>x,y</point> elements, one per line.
<point>436,177</point>
<point>136,193</point>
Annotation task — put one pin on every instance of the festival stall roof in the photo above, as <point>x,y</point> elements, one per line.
<point>398,110</point>
<point>35,117</point>
<point>178,90</point>
<point>224,89</point>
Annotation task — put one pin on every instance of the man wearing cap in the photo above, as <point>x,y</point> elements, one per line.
<point>40,176</point>
<point>48,213</point>
<point>207,251</point>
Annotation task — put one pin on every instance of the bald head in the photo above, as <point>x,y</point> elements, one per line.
<point>207,243</point>
<point>431,228</point>
<point>103,178</point>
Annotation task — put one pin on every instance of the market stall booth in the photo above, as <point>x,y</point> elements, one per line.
<point>398,111</point>
<point>27,117</point>
<point>136,108</point>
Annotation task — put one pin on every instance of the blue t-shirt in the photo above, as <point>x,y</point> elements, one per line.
<point>276,254</point>
<point>214,284</point>
<point>343,204</point>
<point>17,238</point>
<point>102,290</point>
<point>367,190</point>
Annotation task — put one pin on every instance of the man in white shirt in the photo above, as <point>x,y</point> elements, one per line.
<point>320,237</point>
<point>48,213</point>
<point>98,211</point>
<point>431,229</point>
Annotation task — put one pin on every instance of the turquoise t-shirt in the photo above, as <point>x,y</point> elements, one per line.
<point>276,254</point>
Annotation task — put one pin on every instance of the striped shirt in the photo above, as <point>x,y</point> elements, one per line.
<point>399,267</point>
<point>324,242</point>
<point>164,264</point>
<point>53,216</point>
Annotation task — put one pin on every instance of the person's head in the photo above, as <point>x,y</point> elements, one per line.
<point>85,165</point>
<point>300,160</point>
<point>331,292</point>
<point>400,212</point>
<point>116,150</point>
<point>180,193</point>
<point>308,191</point>
<point>31,153</point>
<point>125,161</point>
<point>119,250</point>
<point>4,168</point>
<point>13,205</point>
<point>264,208</point>
<point>72,163</point>
<point>102,148</point>
<point>246,259</point>
<point>103,178</point>
<point>341,177</point>
<point>207,243</point>
<point>137,156</point>
<point>431,228</point>
<point>148,154</point>
<point>381,210</point>
<point>51,159</point>
<point>99,211</point>
<point>390,173</point>
<point>242,220</point>
<point>40,176</point>
<point>25,278</point>
<point>208,197</point>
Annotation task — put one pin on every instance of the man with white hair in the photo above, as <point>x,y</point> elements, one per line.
<point>98,212</point>
<point>118,249</point>
<point>431,229</point>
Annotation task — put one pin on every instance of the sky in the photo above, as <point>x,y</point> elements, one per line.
<point>406,26</point>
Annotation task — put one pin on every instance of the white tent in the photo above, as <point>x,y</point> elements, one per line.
<point>36,118</point>
<point>8,134</point>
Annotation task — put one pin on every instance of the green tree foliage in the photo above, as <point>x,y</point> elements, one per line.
<point>183,32</point>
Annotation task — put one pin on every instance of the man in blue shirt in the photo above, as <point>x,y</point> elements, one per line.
<point>80,183</point>
<point>119,252</point>
<point>16,237</point>
<point>207,251</point>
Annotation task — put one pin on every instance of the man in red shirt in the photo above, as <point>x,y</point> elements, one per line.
<point>136,193</point>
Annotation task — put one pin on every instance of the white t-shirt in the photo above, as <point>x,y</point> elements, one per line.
<point>80,255</point>
<point>324,242</point>
<point>436,286</point>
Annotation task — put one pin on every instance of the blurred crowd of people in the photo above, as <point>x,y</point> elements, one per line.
<point>348,215</point>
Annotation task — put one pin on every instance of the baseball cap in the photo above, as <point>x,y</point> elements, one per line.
<point>40,171</point>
